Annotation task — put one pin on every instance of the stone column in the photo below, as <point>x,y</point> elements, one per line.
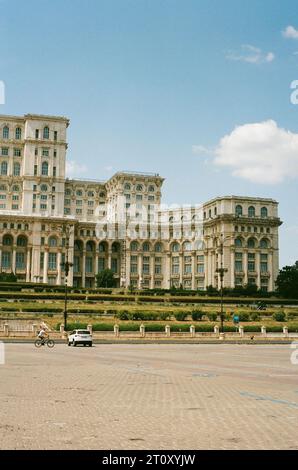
<point>181,272</point>
<point>70,274</point>
<point>258,269</point>
<point>192,331</point>
<point>286,331</point>
<point>28,262</point>
<point>193,271</point>
<point>14,254</point>
<point>241,331</point>
<point>245,266</point>
<point>142,331</point>
<point>110,259</point>
<point>96,263</point>
<point>263,331</point>
<point>116,331</point>
<point>140,273</point>
<point>270,267</point>
<point>152,271</point>
<point>59,261</point>
<point>45,266</point>
<point>206,268</point>
<point>84,269</point>
<point>232,271</point>
<point>167,276</point>
<point>0,259</point>
<point>168,331</point>
<point>210,273</point>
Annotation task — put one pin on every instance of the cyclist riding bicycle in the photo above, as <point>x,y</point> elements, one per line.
<point>43,335</point>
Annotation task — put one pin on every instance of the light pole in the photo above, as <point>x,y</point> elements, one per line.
<point>221,271</point>
<point>67,265</point>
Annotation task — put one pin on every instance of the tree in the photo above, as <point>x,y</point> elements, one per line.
<point>287,281</point>
<point>105,278</point>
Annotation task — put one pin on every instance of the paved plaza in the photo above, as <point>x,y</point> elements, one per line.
<point>150,396</point>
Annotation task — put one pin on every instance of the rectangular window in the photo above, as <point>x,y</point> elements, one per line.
<point>6,259</point>
<point>90,211</point>
<point>16,152</point>
<point>79,202</point>
<point>52,261</point>
<point>201,268</point>
<point>2,196</point>
<point>41,260</point>
<point>251,266</point>
<point>91,203</point>
<point>54,171</point>
<point>101,264</point>
<point>114,265</point>
<point>78,211</point>
<point>201,258</point>
<point>55,153</point>
<point>264,267</point>
<point>251,256</point>
<point>45,152</point>
<point>158,269</point>
<point>15,206</point>
<point>43,207</point>
<point>89,264</point>
<point>187,269</point>
<point>15,197</point>
<point>4,151</point>
<point>67,202</point>
<point>43,197</point>
<point>238,266</point>
<point>20,260</point>
<point>150,198</point>
<point>36,133</point>
<point>139,197</point>
<point>127,196</point>
<point>66,210</point>
<point>76,264</point>
<point>187,259</point>
<point>55,135</point>
<point>35,170</point>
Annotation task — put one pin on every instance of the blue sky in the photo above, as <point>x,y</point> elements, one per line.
<point>155,85</point>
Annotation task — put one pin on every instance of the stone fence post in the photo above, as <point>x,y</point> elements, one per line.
<point>6,329</point>
<point>241,331</point>
<point>216,330</point>
<point>116,331</point>
<point>222,336</point>
<point>142,331</point>
<point>263,331</point>
<point>62,331</point>
<point>89,327</point>
<point>286,331</point>
<point>168,331</point>
<point>192,331</point>
<point>34,329</point>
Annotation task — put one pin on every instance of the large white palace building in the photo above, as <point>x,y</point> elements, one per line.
<point>120,223</point>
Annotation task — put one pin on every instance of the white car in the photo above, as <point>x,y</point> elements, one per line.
<point>80,337</point>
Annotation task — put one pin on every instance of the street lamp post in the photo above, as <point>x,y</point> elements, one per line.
<point>67,265</point>
<point>221,271</point>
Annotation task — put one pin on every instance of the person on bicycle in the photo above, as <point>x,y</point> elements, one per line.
<point>42,335</point>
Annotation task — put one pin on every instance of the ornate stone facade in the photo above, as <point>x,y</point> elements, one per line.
<point>120,223</point>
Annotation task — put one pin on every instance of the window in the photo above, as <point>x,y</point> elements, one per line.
<point>127,187</point>
<point>251,243</point>
<point>15,206</point>
<point>46,133</point>
<point>55,135</point>
<point>151,198</point>
<point>35,170</point>
<point>264,212</point>
<point>3,187</point>
<point>187,246</point>
<point>45,169</point>
<point>238,266</point>
<point>43,207</point>
<point>36,133</point>
<point>146,267</point>
<point>238,242</point>
<point>102,195</point>
<point>175,247</point>
<point>7,240</point>
<point>251,211</point>
<point>4,151</point>
<point>3,168</point>
<point>175,265</point>
<point>78,211</point>
<point>15,197</point>
<point>251,266</point>
<point>151,188</point>
<point>134,246</point>
<point>54,171</point>
<point>18,133</point>
<point>200,268</point>
<point>146,246</point>
<point>79,192</point>
<point>16,169</point>
<point>90,203</point>
<point>67,192</point>
<point>52,261</point>
<point>41,260</point>
<point>16,152</point>
<point>264,243</point>
<point>238,211</point>
<point>264,267</point>
<point>2,196</point>
<point>6,259</point>
<point>101,264</point>
<point>52,242</point>
<point>5,133</point>
<point>43,188</point>
<point>127,196</point>
<point>114,265</point>
<point>45,152</point>
<point>133,264</point>
<point>67,202</point>
<point>43,197</point>
<point>79,202</point>
<point>139,187</point>
<point>158,247</point>
<point>89,264</point>
<point>20,260</point>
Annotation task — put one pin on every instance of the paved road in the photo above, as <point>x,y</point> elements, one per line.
<point>149,397</point>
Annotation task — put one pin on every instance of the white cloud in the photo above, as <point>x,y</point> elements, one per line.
<point>201,149</point>
<point>108,168</point>
<point>252,55</point>
<point>74,169</point>
<point>260,152</point>
<point>290,32</point>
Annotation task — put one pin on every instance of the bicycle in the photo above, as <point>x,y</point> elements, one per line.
<point>42,342</point>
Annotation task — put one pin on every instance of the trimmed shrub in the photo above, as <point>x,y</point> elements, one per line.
<point>197,315</point>
<point>212,316</point>
<point>279,316</point>
<point>180,316</point>
<point>255,316</point>
<point>243,316</point>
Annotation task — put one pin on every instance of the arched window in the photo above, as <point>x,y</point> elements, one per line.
<point>251,211</point>
<point>171,219</point>
<point>127,187</point>
<point>7,240</point>
<point>43,188</point>
<point>16,169</point>
<point>175,247</point>
<point>139,187</point>
<point>264,243</point>
<point>4,168</point>
<point>151,188</point>
<point>5,133</point>
<point>90,246</point>
<point>18,133</point>
<point>52,242</point>
<point>102,194</point>
<point>158,247</point>
<point>16,188</point>
<point>78,245</point>
<point>102,247</point>
<point>238,211</point>
<point>186,246</point>
<point>79,192</point>
<point>134,246</point>
<point>146,246</point>
<point>115,248</point>
<point>264,212</point>
<point>46,132</point>
<point>238,243</point>
<point>45,168</point>
<point>22,241</point>
<point>251,243</point>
